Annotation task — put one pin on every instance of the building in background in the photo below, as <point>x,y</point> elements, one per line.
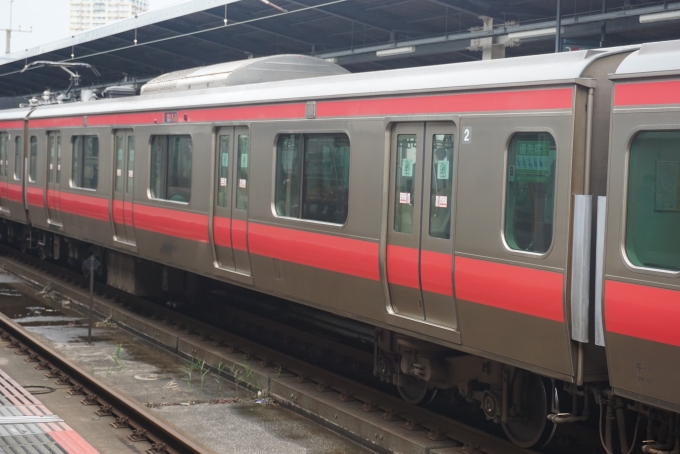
<point>87,14</point>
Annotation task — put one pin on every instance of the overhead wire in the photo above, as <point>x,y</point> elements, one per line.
<point>197,32</point>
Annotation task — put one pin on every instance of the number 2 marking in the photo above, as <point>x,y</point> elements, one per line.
<point>467,134</point>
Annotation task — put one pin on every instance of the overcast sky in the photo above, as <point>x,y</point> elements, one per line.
<point>49,19</point>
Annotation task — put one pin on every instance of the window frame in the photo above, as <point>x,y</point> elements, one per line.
<point>624,211</point>
<point>72,141</point>
<point>274,170</point>
<point>150,144</point>
<point>34,179</point>
<point>512,133</point>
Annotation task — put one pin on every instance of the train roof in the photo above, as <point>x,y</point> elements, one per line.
<point>566,67</point>
<point>651,59</point>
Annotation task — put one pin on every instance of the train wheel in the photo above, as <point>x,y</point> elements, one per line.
<point>531,426</point>
<point>417,392</point>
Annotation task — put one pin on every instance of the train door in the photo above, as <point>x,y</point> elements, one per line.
<point>53,192</point>
<point>4,165</point>
<point>222,205</point>
<point>123,187</point>
<point>420,237</point>
<point>239,215</point>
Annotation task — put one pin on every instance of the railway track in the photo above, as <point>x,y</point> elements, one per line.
<point>371,417</point>
<point>125,412</point>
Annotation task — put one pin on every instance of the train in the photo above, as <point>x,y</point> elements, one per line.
<point>510,228</point>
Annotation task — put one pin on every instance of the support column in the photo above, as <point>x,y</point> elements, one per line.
<point>490,51</point>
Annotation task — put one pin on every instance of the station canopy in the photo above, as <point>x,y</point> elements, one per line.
<point>360,35</point>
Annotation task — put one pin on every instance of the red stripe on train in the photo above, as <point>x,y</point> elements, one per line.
<point>402,266</point>
<point>647,93</point>
<point>513,288</point>
<point>558,98</point>
<point>12,124</point>
<point>435,272</point>
<point>56,122</point>
<point>35,196</point>
<point>180,224</point>
<point>332,253</point>
<point>222,231</point>
<point>239,234</point>
<point>641,311</point>
<point>84,205</point>
<point>15,192</point>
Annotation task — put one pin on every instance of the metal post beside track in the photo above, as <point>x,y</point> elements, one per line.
<point>91,264</point>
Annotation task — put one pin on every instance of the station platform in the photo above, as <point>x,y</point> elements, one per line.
<point>27,426</point>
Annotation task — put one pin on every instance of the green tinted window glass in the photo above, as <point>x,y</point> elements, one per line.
<point>530,192</point>
<point>653,204</point>
<point>288,163</point>
<point>33,159</point>
<point>4,143</point>
<point>223,171</point>
<point>405,182</point>
<point>242,167</point>
<point>18,157</point>
<point>159,145</point>
<point>441,187</point>
<point>130,165</point>
<point>119,164</point>
<point>50,165</point>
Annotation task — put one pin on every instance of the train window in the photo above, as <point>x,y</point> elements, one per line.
<point>405,182</point>
<point>312,177</point>
<point>530,192</point>
<point>131,165</point>
<point>441,187</point>
<point>4,146</point>
<point>653,205</point>
<point>242,168</point>
<point>85,162</point>
<point>51,145</point>
<point>171,158</point>
<point>18,157</point>
<point>33,159</point>
<point>223,172</point>
<point>58,177</point>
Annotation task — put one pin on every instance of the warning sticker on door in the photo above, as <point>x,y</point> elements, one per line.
<point>441,201</point>
<point>405,197</point>
<point>223,181</point>
<point>119,172</point>
<point>130,173</point>
<point>242,183</point>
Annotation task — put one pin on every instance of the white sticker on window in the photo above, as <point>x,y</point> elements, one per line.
<point>223,181</point>
<point>405,197</point>
<point>406,167</point>
<point>225,159</point>
<point>242,183</point>
<point>441,201</point>
<point>443,170</point>
<point>130,173</point>
<point>244,160</point>
<point>58,166</point>
<point>119,172</point>
<point>51,166</point>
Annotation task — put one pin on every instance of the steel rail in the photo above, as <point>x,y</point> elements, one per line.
<point>146,426</point>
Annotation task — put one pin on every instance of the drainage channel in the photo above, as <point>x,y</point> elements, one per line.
<point>374,419</point>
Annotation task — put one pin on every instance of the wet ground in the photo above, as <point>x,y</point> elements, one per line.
<point>220,414</point>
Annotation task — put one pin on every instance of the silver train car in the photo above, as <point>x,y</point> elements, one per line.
<point>507,226</point>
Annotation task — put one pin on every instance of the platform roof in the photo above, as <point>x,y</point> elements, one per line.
<point>361,35</point>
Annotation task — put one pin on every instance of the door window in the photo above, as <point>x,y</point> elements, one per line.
<point>441,187</point>
<point>223,171</point>
<point>242,166</point>
<point>18,157</point>
<point>131,165</point>
<point>4,145</point>
<point>530,192</point>
<point>404,198</point>
<point>33,158</point>
<point>119,163</point>
<point>653,205</point>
